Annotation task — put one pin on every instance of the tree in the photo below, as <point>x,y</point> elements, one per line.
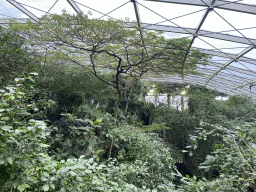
<point>113,46</point>
<point>15,56</point>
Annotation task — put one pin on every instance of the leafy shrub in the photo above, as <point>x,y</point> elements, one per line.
<point>134,145</point>
<point>16,56</point>
<point>86,175</point>
<point>26,166</point>
<point>233,156</point>
<point>22,138</point>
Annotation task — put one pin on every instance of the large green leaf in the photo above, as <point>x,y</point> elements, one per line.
<point>23,187</point>
<point>45,187</point>
<point>10,160</point>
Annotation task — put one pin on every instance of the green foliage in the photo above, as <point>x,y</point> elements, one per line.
<point>26,166</point>
<point>182,123</point>
<point>111,46</point>
<point>15,56</point>
<point>87,111</point>
<point>71,86</point>
<point>233,156</point>
<point>75,137</point>
<point>133,145</point>
<point>86,175</point>
<point>155,127</point>
<point>22,138</point>
<point>206,108</point>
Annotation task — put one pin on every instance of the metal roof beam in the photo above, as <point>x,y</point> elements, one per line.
<point>74,6</point>
<point>136,9</point>
<point>232,60</point>
<point>221,4</point>
<point>202,33</point>
<point>198,28</point>
<point>23,9</point>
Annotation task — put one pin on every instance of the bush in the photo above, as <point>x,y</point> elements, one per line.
<point>22,138</point>
<point>233,156</point>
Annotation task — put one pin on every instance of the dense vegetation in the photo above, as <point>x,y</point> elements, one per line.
<point>59,131</point>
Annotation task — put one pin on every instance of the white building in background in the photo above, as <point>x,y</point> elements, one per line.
<point>175,101</point>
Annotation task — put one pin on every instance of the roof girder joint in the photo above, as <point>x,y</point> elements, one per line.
<point>210,8</point>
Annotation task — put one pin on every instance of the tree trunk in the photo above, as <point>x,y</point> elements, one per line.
<point>110,146</point>
<point>182,102</point>
<point>117,104</point>
<point>128,99</point>
<point>168,99</point>
<point>155,99</point>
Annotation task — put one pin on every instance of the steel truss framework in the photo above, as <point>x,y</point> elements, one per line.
<point>220,76</point>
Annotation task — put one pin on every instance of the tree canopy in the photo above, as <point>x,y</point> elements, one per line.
<point>114,46</point>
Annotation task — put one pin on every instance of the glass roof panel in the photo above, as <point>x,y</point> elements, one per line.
<point>91,12</point>
<point>227,80</point>
<point>252,2</point>
<point>239,21</point>
<point>117,9</point>
<point>246,66</point>
<point>223,82</point>
<point>182,15</point>
<point>9,11</point>
<point>60,6</point>
<point>217,59</point>
<point>237,73</point>
<point>232,78</point>
<point>148,16</point>
<point>176,35</point>
<point>215,23</point>
<point>251,54</point>
<point>126,11</point>
<point>209,67</point>
<point>241,72</point>
<point>40,8</point>
<point>221,45</point>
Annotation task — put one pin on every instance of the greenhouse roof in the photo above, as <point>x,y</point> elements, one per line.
<point>221,28</point>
